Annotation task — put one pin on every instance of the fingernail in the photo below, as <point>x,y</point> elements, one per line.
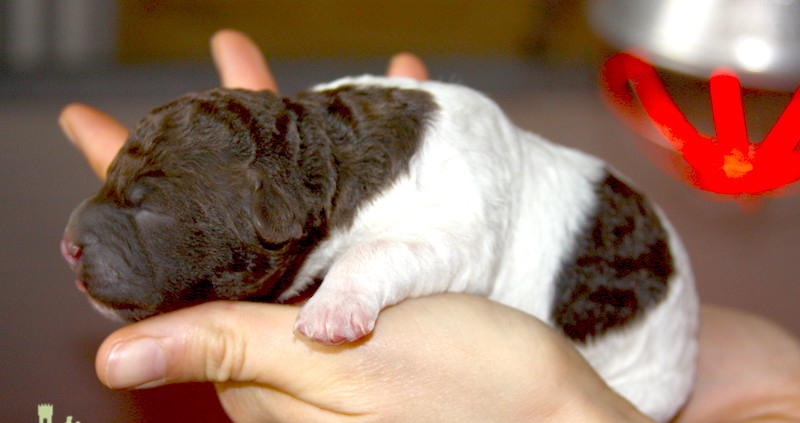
<point>137,364</point>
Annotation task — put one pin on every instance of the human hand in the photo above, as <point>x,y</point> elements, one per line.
<point>421,363</point>
<point>450,357</point>
<point>422,359</point>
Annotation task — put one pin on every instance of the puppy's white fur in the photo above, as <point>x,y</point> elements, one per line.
<point>489,209</point>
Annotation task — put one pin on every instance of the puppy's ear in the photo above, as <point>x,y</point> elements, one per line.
<point>278,216</point>
<point>293,175</point>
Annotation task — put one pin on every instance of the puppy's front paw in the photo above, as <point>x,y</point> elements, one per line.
<point>336,321</point>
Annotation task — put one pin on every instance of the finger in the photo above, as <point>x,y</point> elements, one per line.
<point>240,63</point>
<point>407,65</point>
<point>97,135</point>
<point>214,342</point>
<point>254,342</point>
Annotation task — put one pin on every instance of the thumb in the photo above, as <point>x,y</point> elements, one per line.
<point>213,342</point>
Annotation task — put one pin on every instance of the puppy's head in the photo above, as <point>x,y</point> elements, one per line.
<point>217,195</point>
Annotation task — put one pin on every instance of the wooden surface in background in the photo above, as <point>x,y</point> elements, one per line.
<point>158,30</point>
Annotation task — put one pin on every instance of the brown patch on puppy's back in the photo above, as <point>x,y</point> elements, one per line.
<point>619,267</point>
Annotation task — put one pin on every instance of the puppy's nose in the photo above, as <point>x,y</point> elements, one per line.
<point>71,251</point>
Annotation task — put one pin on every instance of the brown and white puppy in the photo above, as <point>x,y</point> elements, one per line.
<point>367,191</point>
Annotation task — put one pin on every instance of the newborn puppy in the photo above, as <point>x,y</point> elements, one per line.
<point>367,191</point>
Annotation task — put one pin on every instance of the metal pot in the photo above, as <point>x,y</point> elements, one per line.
<point>759,39</point>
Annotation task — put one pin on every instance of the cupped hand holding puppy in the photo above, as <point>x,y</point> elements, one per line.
<point>443,358</point>
<point>447,358</point>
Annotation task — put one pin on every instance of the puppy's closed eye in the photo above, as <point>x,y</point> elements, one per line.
<point>138,191</point>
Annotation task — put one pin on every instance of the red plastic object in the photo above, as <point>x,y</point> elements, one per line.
<point>727,163</point>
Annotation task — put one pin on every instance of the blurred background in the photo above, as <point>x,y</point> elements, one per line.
<point>538,59</point>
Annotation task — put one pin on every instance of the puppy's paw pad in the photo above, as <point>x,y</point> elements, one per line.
<point>336,323</point>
